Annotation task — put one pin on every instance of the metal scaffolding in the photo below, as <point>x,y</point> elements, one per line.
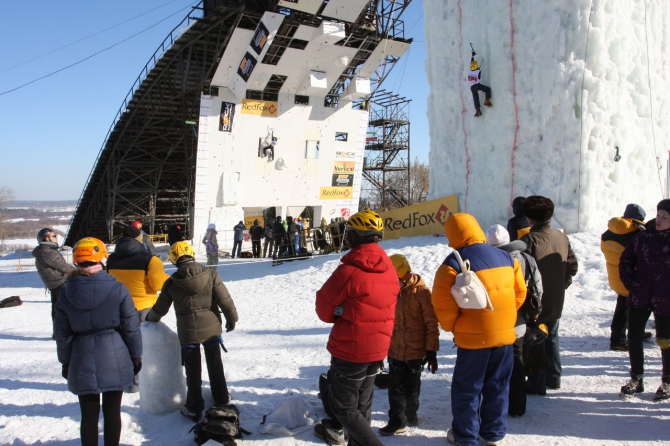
<point>145,169</point>
<point>386,168</point>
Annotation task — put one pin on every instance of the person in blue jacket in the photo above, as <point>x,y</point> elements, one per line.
<point>99,342</point>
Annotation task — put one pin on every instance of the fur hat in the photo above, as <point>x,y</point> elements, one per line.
<point>132,231</point>
<point>634,211</point>
<point>664,205</point>
<point>497,235</point>
<point>538,208</point>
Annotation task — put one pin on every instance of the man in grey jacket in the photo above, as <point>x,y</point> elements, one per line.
<point>50,264</point>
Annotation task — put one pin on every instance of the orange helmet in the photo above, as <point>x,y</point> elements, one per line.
<point>137,224</point>
<point>89,249</point>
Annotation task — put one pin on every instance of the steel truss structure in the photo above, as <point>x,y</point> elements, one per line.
<point>386,169</point>
<point>145,169</point>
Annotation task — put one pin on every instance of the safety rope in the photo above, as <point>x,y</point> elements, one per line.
<point>651,106</point>
<point>581,118</point>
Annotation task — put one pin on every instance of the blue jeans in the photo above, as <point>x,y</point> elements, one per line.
<point>296,243</point>
<point>480,394</point>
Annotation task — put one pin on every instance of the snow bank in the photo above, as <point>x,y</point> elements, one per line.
<point>571,80</point>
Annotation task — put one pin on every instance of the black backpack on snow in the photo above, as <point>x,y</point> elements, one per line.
<point>221,424</point>
<point>12,301</point>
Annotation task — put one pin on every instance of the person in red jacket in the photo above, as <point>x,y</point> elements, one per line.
<point>359,300</point>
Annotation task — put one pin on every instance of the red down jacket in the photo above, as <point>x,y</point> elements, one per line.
<point>366,285</point>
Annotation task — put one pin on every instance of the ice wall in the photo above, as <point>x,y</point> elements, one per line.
<point>571,80</point>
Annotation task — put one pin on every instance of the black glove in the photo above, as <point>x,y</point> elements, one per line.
<point>64,370</point>
<point>137,365</point>
<point>230,326</point>
<point>431,360</point>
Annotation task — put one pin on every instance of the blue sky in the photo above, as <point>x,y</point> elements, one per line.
<point>52,130</point>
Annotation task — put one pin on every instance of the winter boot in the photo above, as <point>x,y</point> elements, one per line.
<point>483,442</point>
<point>487,102</point>
<point>412,419</point>
<point>392,428</point>
<point>194,416</point>
<point>633,386</point>
<point>663,392</point>
<point>478,114</point>
<point>327,431</point>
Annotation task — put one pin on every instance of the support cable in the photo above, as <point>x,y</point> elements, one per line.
<point>99,52</point>
<point>85,38</point>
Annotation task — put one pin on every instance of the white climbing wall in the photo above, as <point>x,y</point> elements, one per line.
<point>571,80</point>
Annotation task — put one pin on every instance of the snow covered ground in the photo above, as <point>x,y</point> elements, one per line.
<point>278,349</point>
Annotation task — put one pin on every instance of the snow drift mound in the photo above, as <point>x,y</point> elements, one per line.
<point>571,81</point>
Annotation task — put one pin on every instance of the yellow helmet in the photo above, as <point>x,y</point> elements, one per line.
<point>89,249</point>
<point>366,223</point>
<point>401,265</point>
<point>179,250</point>
<point>474,65</point>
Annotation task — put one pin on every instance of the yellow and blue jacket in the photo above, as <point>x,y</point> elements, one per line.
<point>498,271</point>
<point>619,232</point>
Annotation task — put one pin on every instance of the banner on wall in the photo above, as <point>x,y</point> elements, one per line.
<point>260,38</point>
<point>344,167</point>
<point>342,180</point>
<point>335,193</point>
<point>425,218</point>
<point>249,220</point>
<point>247,65</point>
<point>259,108</point>
<point>226,117</point>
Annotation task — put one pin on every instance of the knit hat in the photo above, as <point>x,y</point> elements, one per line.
<point>664,205</point>
<point>634,211</point>
<point>538,208</point>
<point>497,235</point>
<point>211,226</point>
<point>132,231</point>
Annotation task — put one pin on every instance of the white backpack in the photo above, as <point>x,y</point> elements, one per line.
<point>468,290</point>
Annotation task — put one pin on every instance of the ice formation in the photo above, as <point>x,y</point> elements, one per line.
<point>571,80</point>
<point>162,382</point>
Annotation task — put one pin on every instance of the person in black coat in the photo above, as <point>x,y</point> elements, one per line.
<point>98,340</point>
<point>256,232</point>
<point>519,222</point>
<point>174,234</point>
<point>280,237</point>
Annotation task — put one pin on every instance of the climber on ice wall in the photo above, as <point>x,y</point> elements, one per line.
<point>474,76</point>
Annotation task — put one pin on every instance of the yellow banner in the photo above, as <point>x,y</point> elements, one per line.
<point>259,108</point>
<point>335,193</point>
<point>249,220</point>
<point>425,218</point>
<point>344,167</point>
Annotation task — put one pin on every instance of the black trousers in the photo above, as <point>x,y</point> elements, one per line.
<point>90,412</point>
<point>190,357</point>
<point>349,399</point>
<point>404,389</point>
<point>54,298</point>
<point>517,382</point>
<point>637,321</point>
<point>475,89</point>
<point>619,322</point>
<point>256,248</point>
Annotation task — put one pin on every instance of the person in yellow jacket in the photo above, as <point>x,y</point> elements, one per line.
<point>484,360</point>
<point>620,231</point>
<point>139,271</point>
